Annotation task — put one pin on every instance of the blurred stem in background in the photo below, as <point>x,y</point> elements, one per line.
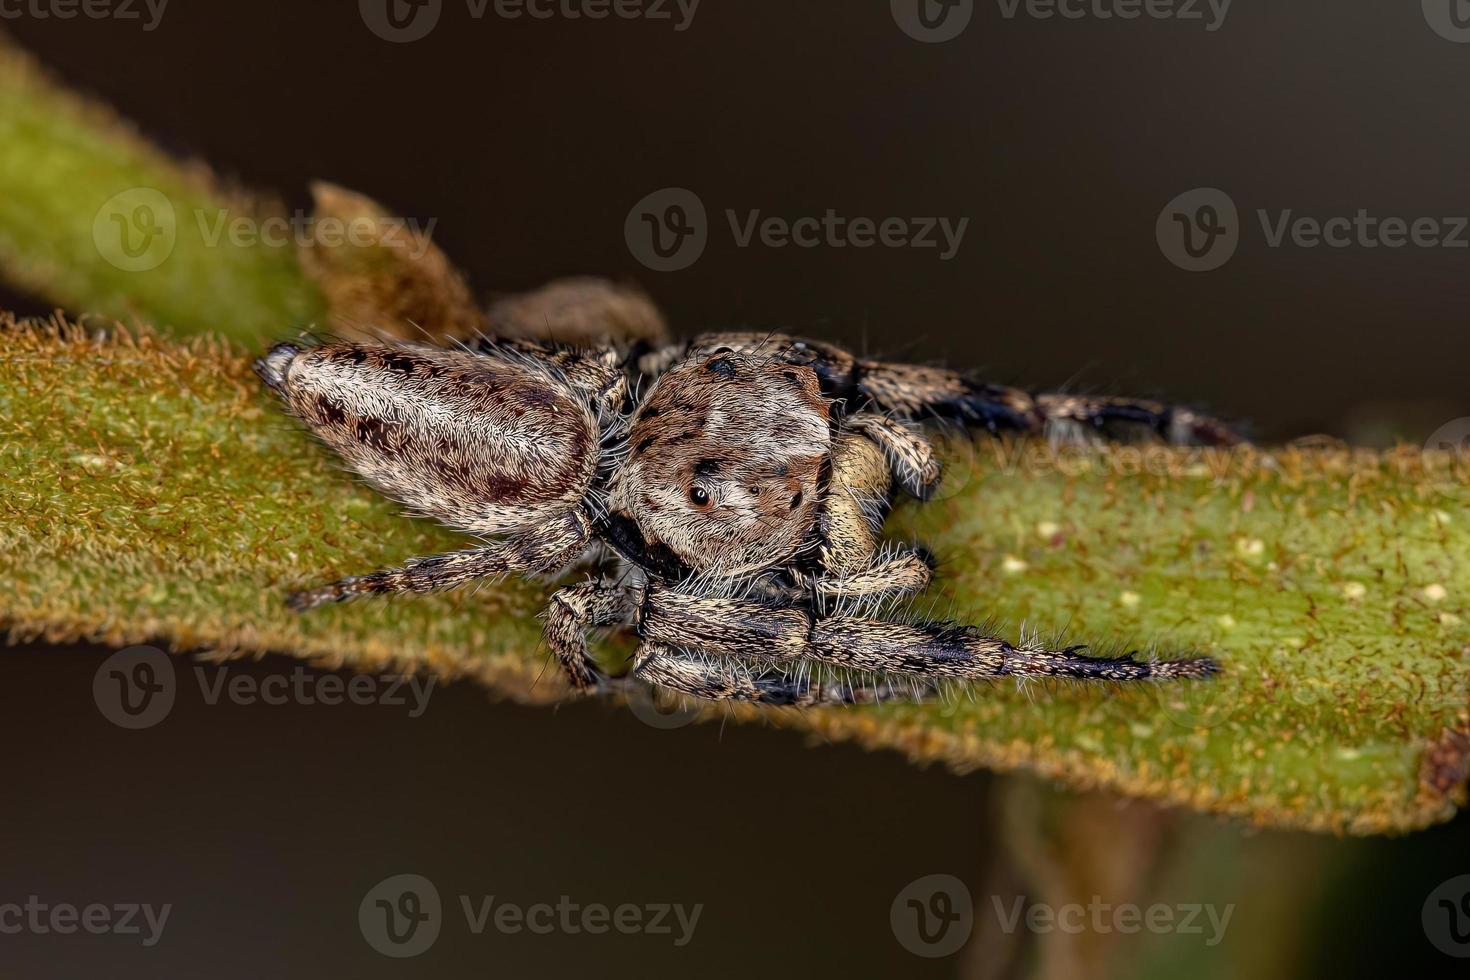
<point>1236,900</point>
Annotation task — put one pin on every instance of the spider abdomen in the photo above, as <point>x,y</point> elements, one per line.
<point>486,444</point>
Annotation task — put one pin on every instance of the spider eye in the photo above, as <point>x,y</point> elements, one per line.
<point>699,495</point>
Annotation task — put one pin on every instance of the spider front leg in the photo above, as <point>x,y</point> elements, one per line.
<point>855,562</point>
<point>711,680</point>
<point>909,455</point>
<point>569,614</point>
<point>547,550</point>
<point>736,628</point>
<point>895,572</point>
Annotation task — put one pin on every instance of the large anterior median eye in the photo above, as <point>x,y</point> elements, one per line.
<point>699,496</point>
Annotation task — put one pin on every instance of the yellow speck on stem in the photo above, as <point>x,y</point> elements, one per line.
<point>1435,592</point>
<point>1013,565</point>
<point>1130,599</point>
<point>92,461</point>
<point>1354,591</point>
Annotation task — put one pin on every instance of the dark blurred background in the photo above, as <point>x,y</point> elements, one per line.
<point>528,141</point>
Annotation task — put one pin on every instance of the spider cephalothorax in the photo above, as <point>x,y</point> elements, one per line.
<point>746,491</point>
<point>728,490</point>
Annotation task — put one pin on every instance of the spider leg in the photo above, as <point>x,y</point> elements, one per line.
<point>1178,425</point>
<point>948,650</point>
<point>894,573</point>
<point>710,680</point>
<point>854,561</point>
<point>909,455</point>
<point>919,392</point>
<point>735,628</point>
<point>856,505</point>
<point>916,391</point>
<point>569,614</point>
<point>547,550</point>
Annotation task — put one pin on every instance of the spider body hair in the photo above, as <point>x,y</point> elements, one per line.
<point>743,479</point>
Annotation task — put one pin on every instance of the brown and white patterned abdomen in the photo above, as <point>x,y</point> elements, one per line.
<point>486,444</point>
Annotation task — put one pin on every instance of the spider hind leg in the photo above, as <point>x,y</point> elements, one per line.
<point>548,549</point>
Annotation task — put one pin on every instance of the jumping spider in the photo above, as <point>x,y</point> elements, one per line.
<point>746,490</point>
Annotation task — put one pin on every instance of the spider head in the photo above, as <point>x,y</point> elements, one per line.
<point>727,458</point>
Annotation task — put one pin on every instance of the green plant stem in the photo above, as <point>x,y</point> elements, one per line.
<point>149,490</point>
